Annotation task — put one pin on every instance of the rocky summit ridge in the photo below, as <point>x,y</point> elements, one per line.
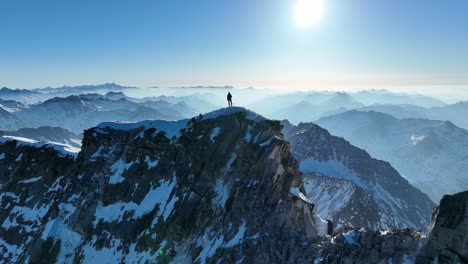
<point>225,188</point>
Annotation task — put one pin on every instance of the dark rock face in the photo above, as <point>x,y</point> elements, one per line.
<point>447,241</point>
<point>219,191</point>
<point>353,189</point>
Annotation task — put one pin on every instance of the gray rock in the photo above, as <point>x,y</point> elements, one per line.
<point>448,238</point>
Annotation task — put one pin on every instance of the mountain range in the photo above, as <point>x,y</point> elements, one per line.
<point>78,112</point>
<point>456,113</point>
<point>36,95</point>
<point>431,154</point>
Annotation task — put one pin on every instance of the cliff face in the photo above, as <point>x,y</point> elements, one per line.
<point>447,241</point>
<point>224,188</point>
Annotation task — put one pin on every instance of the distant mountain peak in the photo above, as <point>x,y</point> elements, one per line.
<point>448,124</point>
<point>115,93</point>
<point>343,94</point>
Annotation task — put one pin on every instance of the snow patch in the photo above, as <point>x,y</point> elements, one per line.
<point>151,164</point>
<point>156,196</point>
<point>266,142</point>
<point>172,128</point>
<point>296,192</point>
<point>20,156</point>
<point>31,180</point>
<point>248,135</point>
<point>222,193</point>
<point>214,133</point>
<point>237,239</point>
<point>104,255</point>
<point>232,110</point>
<point>209,245</point>
<point>169,207</point>
<point>349,237</point>
<point>332,168</point>
<point>229,163</point>
<point>70,240</point>
<point>417,139</point>
<point>322,225</point>
<point>118,168</point>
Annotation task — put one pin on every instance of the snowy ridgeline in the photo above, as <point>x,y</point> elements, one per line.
<point>172,128</point>
<point>63,149</point>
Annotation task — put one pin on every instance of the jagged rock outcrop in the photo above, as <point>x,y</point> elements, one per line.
<point>224,188</point>
<point>350,187</point>
<point>447,241</point>
<point>369,246</point>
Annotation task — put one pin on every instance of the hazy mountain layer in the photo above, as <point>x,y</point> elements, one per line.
<point>78,112</point>
<point>433,155</point>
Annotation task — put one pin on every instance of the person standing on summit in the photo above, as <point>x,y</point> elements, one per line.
<point>229,98</point>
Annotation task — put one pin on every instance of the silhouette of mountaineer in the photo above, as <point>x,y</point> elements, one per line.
<point>229,98</point>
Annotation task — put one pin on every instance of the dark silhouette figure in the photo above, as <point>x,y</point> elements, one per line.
<point>229,98</point>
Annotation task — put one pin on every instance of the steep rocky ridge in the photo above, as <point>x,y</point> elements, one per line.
<point>225,188</point>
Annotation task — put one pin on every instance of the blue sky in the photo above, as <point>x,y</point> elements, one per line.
<point>359,43</point>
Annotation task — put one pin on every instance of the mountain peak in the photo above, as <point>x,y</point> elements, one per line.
<point>111,93</point>
<point>448,124</point>
<point>172,128</point>
<point>233,110</point>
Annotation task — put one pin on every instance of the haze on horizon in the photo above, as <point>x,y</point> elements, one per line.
<point>409,46</point>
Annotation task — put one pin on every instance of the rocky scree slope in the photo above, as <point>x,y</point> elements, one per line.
<point>222,188</point>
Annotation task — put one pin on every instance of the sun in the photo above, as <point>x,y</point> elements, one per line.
<point>308,13</point>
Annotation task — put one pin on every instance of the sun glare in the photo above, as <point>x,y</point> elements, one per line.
<point>308,13</point>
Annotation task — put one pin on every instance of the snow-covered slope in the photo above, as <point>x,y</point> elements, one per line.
<point>63,149</point>
<point>8,120</point>
<point>47,134</point>
<point>350,187</point>
<point>432,155</point>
